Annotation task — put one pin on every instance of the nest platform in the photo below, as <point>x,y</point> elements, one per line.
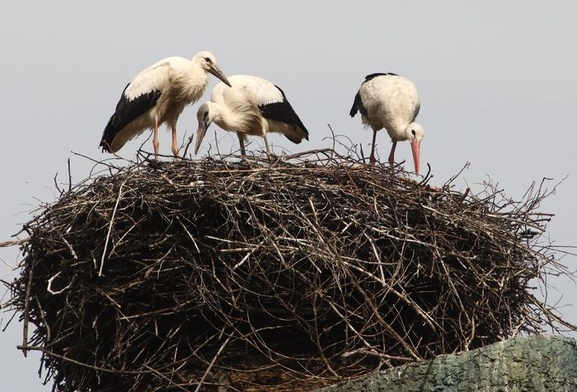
<point>259,275</point>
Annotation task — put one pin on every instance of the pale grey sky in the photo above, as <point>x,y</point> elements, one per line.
<point>497,82</point>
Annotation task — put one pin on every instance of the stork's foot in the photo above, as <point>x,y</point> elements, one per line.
<point>372,160</point>
<point>272,157</point>
<point>175,151</point>
<point>155,163</point>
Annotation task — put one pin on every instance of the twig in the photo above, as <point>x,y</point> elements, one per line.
<point>27,309</point>
<point>110,228</point>
<point>211,364</point>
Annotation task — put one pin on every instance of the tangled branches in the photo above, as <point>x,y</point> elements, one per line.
<point>254,275</point>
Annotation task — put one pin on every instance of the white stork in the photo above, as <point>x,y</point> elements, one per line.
<point>157,95</point>
<point>253,106</point>
<point>390,101</point>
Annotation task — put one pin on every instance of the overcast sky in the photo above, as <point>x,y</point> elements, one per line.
<point>497,82</point>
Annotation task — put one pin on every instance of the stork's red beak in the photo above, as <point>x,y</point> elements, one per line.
<point>416,147</point>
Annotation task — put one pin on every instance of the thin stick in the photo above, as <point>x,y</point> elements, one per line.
<point>110,228</point>
<point>211,364</point>
<point>27,310</point>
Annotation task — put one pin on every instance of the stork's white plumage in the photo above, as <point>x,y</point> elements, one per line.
<point>252,106</point>
<point>390,101</point>
<point>158,94</point>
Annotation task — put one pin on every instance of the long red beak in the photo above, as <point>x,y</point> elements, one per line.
<point>416,147</point>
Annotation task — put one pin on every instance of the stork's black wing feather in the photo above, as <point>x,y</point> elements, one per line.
<point>374,75</point>
<point>358,103</point>
<point>127,110</point>
<point>283,112</point>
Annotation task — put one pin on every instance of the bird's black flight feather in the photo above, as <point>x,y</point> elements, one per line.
<point>283,112</point>
<point>127,110</point>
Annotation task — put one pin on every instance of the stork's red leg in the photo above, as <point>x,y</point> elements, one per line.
<point>267,146</point>
<point>241,142</point>
<point>174,142</point>
<point>372,159</point>
<point>392,154</point>
<point>155,143</point>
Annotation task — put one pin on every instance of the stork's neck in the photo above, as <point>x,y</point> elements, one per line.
<point>198,78</point>
<point>400,131</point>
<point>225,118</point>
<point>189,81</point>
<point>242,118</point>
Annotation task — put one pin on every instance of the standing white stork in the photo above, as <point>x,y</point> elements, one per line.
<point>158,94</point>
<point>390,101</point>
<point>252,106</point>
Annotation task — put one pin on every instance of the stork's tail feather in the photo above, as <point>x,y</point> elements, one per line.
<point>297,139</point>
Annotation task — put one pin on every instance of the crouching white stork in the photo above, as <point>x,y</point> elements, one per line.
<point>390,101</point>
<point>252,106</point>
<point>157,95</point>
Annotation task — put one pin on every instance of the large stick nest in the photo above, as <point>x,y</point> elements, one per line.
<point>254,275</point>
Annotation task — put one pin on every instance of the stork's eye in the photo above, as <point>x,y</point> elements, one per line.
<point>413,132</point>
<point>207,59</point>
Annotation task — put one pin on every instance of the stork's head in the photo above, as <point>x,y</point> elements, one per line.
<point>208,62</point>
<point>205,117</point>
<point>415,133</point>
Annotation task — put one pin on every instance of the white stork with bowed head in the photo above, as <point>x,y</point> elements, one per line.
<point>157,95</point>
<point>390,101</point>
<point>252,106</point>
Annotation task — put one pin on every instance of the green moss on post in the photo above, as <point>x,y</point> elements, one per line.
<point>535,363</point>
